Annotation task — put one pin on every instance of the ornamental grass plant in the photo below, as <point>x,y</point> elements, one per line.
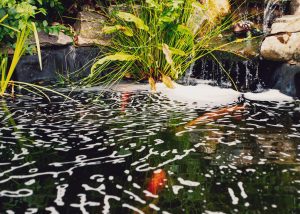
<point>159,40</point>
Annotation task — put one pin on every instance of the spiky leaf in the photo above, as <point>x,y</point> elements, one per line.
<point>114,57</point>
<point>152,3</point>
<point>168,54</point>
<point>167,81</point>
<point>184,30</point>
<point>174,51</point>
<point>3,18</point>
<point>37,42</point>
<point>152,84</point>
<point>128,17</point>
<point>112,29</point>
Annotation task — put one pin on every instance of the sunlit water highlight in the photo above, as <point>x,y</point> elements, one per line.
<point>190,150</point>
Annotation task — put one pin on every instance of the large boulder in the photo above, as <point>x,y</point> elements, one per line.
<point>283,42</point>
<point>88,28</point>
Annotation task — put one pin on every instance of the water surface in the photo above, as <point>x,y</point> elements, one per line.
<point>138,152</point>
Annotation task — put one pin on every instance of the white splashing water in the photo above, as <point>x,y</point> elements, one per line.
<point>268,13</point>
<point>188,73</point>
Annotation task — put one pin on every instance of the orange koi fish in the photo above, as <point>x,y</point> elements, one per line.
<point>214,115</point>
<point>157,182</point>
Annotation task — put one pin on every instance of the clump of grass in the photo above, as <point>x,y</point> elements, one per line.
<point>20,48</point>
<point>158,40</point>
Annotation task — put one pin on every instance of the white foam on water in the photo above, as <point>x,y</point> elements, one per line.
<point>203,95</point>
<point>268,95</point>
<point>200,95</point>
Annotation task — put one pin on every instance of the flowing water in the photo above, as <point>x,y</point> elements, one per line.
<point>131,151</point>
<point>272,10</point>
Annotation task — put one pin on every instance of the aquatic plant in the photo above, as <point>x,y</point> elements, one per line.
<point>18,52</point>
<point>20,48</point>
<point>159,40</point>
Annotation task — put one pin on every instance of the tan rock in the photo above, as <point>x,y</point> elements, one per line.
<point>47,40</point>
<point>88,28</point>
<point>209,11</point>
<point>288,23</point>
<point>282,47</point>
<point>283,44</point>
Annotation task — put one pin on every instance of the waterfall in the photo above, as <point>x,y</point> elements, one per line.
<point>245,74</point>
<point>272,10</point>
<point>188,74</point>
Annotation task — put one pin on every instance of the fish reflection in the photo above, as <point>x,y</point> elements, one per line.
<point>125,98</point>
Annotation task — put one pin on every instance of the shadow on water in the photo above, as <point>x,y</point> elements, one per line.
<point>135,152</point>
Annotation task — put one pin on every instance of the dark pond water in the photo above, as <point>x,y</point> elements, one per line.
<point>141,153</point>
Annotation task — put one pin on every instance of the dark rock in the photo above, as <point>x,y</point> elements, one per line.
<point>287,79</point>
<point>250,75</point>
<point>67,61</point>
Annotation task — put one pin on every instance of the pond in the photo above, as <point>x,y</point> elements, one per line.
<point>140,152</point>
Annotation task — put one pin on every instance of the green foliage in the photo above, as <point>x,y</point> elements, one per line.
<point>166,41</point>
<point>20,48</point>
<point>20,12</point>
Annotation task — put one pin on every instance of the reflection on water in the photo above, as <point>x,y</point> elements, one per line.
<point>135,152</point>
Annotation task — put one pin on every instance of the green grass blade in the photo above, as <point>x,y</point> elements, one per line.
<point>37,42</point>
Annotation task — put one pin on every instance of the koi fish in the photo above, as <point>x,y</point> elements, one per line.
<point>157,182</point>
<point>214,115</point>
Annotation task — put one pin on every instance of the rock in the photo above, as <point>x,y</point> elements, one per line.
<point>282,47</point>
<point>286,79</point>
<point>47,40</point>
<point>283,42</point>
<point>197,19</point>
<point>295,7</point>
<point>68,61</point>
<point>243,28</point>
<point>210,11</point>
<point>6,50</point>
<point>288,23</point>
<point>88,28</point>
